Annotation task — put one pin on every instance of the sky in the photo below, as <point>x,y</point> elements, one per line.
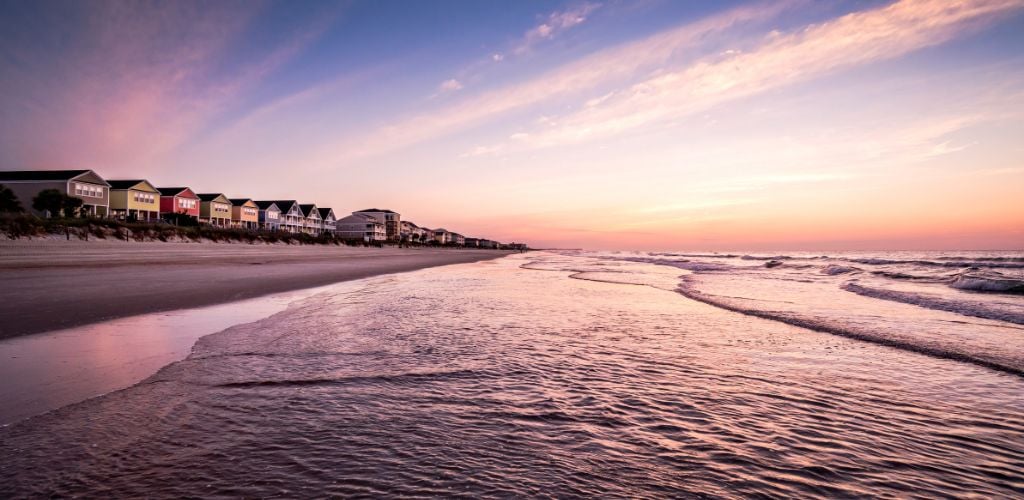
<point>646,124</point>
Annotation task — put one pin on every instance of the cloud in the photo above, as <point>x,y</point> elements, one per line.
<point>555,23</point>
<point>450,85</point>
<point>783,59</point>
<point>497,57</point>
<point>601,68</point>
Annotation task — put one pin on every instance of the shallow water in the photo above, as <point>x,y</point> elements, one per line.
<point>532,375</point>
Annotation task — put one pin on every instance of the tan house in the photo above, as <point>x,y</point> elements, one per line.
<point>134,199</point>
<point>85,185</point>
<point>214,209</point>
<point>360,227</point>
<point>392,221</point>
<point>245,214</point>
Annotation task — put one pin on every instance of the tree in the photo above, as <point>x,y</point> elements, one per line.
<point>72,206</point>
<point>50,201</point>
<point>8,201</point>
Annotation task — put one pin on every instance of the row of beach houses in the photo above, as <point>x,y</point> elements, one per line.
<point>140,200</point>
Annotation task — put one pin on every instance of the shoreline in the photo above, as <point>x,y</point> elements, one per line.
<point>48,286</point>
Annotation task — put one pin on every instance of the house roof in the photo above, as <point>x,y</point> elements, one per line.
<point>441,229</point>
<point>266,204</point>
<point>239,201</point>
<point>386,211</point>
<point>211,196</point>
<point>172,191</point>
<point>283,205</point>
<point>43,175</point>
<point>324,212</point>
<point>307,209</point>
<point>362,218</point>
<point>129,183</point>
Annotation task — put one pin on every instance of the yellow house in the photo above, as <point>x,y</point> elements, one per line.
<point>134,199</point>
<point>245,213</point>
<point>214,209</point>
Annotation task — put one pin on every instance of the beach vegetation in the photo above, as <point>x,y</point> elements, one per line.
<point>9,201</point>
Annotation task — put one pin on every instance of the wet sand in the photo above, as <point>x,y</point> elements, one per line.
<point>48,285</point>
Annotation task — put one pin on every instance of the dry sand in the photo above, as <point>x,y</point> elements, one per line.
<point>47,285</point>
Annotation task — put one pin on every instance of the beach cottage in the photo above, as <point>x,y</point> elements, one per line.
<point>442,236</point>
<point>214,209</point>
<point>244,214</point>
<point>134,199</point>
<point>85,185</point>
<point>457,239</point>
<point>360,227</point>
<point>392,221</point>
<point>269,215</point>
<point>312,224</point>
<point>327,220</point>
<point>178,200</point>
<point>291,216</point>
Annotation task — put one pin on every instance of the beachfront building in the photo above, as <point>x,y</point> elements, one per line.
<point>412,232</point>
<point>392,221</point>
<point>214,209</point>
<point>488,244</point>
<point>134,199</point>
<point>245,214</point>
<point>311,222</point>
<point>327,220</point>
<point>457,239</point>
<point>291,215</point>
<point>442,236</point>
<point>473,242</point>
<point>85,185</point>
<point>269,216</point>
<point>360,227</point>
<point>178,200</point>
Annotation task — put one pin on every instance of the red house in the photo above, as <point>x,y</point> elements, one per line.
<point>178,200</point>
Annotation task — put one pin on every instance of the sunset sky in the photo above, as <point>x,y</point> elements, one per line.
<point>649,124</point>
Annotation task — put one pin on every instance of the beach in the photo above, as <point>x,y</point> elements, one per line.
<point>50,284</point>
<point>565,375</point>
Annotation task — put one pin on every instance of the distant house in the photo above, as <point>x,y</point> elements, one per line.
<point>360,227</point>
<point>245,214</point>
<point>473,242</point>
<point>327,220</point>
<point>392,221</point>
<point>311,219</point>
<point>457,239</point>
<point>412,232</point>
<point>269,216</point>
<point>292,219</point>
<point>85,185</point>
<point>178,200</point>
<point>487,244</point>
<point>442,236</point>
<point>214,209</point>
<point>134,199</point>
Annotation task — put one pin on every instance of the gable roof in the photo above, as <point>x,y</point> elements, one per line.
<point>213,197</point>
<point>46,175</point>
<point>358,218</point>
<point>265,205</point>
<point>283,205</point>
<point>132,184</point>
<point>386,211</point>
<point>239,201</point>
<point>324,212</point>
<point>308,209</point>
<point>173,191</point>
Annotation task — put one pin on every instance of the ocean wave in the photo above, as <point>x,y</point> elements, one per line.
<point>988,282</point>
<point>974,262</point>
<point>974,309</point>
<point>836,269</point>
<point>953,351</point>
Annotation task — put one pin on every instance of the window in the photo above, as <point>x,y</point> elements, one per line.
<point>186,203</point>
<point>89,190</point>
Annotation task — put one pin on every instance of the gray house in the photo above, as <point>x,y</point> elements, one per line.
<point>82,184</point>
<point>270,216</point>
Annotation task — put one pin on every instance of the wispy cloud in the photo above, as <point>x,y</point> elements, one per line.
<point>617,64</point>
<point>553,25</point>
<point>450,85</point>
<point>783,59</point>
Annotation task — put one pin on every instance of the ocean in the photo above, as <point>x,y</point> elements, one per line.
<point>579,374</point>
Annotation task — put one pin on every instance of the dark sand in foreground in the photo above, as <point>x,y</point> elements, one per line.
<point>48,285</point>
